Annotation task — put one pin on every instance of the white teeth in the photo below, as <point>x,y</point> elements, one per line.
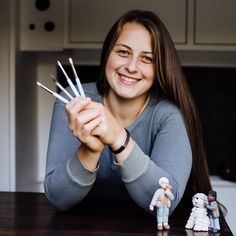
<point>128,79</point>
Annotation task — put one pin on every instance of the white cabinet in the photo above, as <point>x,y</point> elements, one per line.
<point>195,25</point>
<point>41,26</point>
<point>215,22</point>
<point>89,21</point>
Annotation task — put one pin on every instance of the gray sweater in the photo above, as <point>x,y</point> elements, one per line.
<point>162,150</point>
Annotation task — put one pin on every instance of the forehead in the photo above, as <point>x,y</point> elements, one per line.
<point>135,36</point>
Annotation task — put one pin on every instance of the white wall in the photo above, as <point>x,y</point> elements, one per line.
<point>226,192</point>
<point>7,166</point>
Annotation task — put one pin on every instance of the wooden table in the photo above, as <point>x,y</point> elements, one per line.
<point>31,214</point>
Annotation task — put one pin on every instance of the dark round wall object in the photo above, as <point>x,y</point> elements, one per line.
<point>32,26</point>
<point>49,26</point>
<point>42,5</point>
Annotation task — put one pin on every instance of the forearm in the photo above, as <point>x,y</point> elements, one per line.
<point>67,182</point>
<point>141,176</point>
<point>67,185</point>
<point>88,158</point>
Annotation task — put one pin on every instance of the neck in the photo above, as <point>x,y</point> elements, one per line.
<point>126,110</point>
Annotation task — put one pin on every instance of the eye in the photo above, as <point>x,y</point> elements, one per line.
<point>123,53</point>
<point>147,59</point>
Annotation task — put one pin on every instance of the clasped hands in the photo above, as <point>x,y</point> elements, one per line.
<point>94,125</point>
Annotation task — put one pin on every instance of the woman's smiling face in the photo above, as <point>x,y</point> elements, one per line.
<point>130,69</point>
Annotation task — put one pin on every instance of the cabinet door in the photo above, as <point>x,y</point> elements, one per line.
<point>215,22</point>
<point>89,21</point>
<point>41,29</point>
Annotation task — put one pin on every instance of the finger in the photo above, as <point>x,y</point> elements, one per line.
<point>92,125</point>
<point>93,143</point>
<point>85,124</point>
<point>77,100</point>
<point>74,107</point>
<point>86,116</point>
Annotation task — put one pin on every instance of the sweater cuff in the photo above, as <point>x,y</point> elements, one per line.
<point>135,165</point>
<point>79,174</point>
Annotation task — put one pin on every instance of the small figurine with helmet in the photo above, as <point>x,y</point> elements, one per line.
<point>162,201</point>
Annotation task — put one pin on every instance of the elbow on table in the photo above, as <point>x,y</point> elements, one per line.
<point>56,201</point>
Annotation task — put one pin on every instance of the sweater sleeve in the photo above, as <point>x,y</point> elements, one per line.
<point>170,157</point>
<point>67,182</point>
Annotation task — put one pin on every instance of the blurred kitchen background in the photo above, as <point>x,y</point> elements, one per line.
<point>37,33</point>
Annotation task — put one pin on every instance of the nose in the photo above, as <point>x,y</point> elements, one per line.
<point>131,65</point>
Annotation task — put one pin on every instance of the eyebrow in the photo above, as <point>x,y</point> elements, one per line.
<point>126,46</point>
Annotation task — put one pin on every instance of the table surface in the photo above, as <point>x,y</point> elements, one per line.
<point>31,214</point>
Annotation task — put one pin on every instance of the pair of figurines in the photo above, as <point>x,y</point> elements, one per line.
<point>203,217</point>
<point>205,213</point>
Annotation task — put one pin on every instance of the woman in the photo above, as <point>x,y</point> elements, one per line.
<point>136,125</point>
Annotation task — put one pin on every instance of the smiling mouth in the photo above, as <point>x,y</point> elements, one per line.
<point>128,80</point>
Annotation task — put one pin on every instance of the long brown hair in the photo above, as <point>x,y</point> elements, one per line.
<point>170,80</point>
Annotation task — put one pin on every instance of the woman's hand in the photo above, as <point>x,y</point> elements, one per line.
<point>109,131</point>
<point>95,127</point>
<point>83,118</point>
<point>93,124</point>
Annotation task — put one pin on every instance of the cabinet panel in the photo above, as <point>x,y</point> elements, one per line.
<point>215,22</point>
<point>89,21</point>
<point>41,29</point>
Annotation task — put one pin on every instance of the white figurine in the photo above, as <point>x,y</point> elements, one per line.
<point>198,219</point>
<point>162,200</point>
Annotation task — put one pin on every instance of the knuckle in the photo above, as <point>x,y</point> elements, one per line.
<point>86,129</point>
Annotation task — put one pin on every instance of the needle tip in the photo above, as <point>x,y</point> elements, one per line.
<point>70,60</point>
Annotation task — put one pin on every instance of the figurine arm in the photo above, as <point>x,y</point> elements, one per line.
<point>155,197</point>
<point>212,206</point>
<point>170,195</point>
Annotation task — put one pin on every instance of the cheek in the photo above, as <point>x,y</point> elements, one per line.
<point>148,72</point>
<point>110,68</point>
<point>113,63</point>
